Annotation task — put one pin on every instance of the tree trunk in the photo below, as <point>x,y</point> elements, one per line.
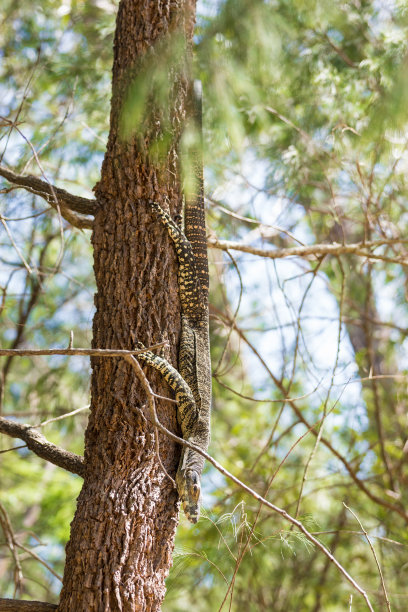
<point>122,535</point>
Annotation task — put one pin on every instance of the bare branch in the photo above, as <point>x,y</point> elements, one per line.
<point>19,253</point>
<point>318,250</point>
<point>76,351</point>
<point>37,443</point>
<point>17,605</point>
<point>69,203</point>
<point>37,558</point>
<point>85,206</point>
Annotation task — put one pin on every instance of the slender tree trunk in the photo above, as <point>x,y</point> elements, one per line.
<point>122,535</point>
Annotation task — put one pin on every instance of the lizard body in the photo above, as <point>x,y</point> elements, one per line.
<point>194,373</point>
<point>194,369</point>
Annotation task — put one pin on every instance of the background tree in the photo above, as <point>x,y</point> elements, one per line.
<point>305,131</point>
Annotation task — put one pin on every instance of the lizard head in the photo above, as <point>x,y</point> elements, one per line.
<point>190,495</point>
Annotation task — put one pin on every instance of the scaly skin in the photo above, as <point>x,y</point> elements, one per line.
<point>187,479</point>
<point>194,369</point>
<point>192,384</point>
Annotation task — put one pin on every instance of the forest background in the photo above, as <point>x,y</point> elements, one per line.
<point>305,143</point>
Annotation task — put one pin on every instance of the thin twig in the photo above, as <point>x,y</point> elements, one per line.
<point>13,448</point>
<point>268,400</point>
<point>359,533</point>
<point>62,416</point>
<point>234,318</point>
<point>19,253</point>
<point>374,555</point>
<point>261,226</point>
<point>320,432</point>
<point>11,543</point>
<point>44,563</point>
<point>152,408</point>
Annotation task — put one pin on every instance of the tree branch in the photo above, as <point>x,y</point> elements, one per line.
<point>39,445</point>
<point>17,605</point>
<point>35,441</point>
<point>69,203</point>
<point>77,351</point>
<point>318,250</point>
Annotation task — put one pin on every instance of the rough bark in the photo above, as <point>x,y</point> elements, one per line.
<point>120,549</point>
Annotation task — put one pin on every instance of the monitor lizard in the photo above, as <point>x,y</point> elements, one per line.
<point>192,381</point>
